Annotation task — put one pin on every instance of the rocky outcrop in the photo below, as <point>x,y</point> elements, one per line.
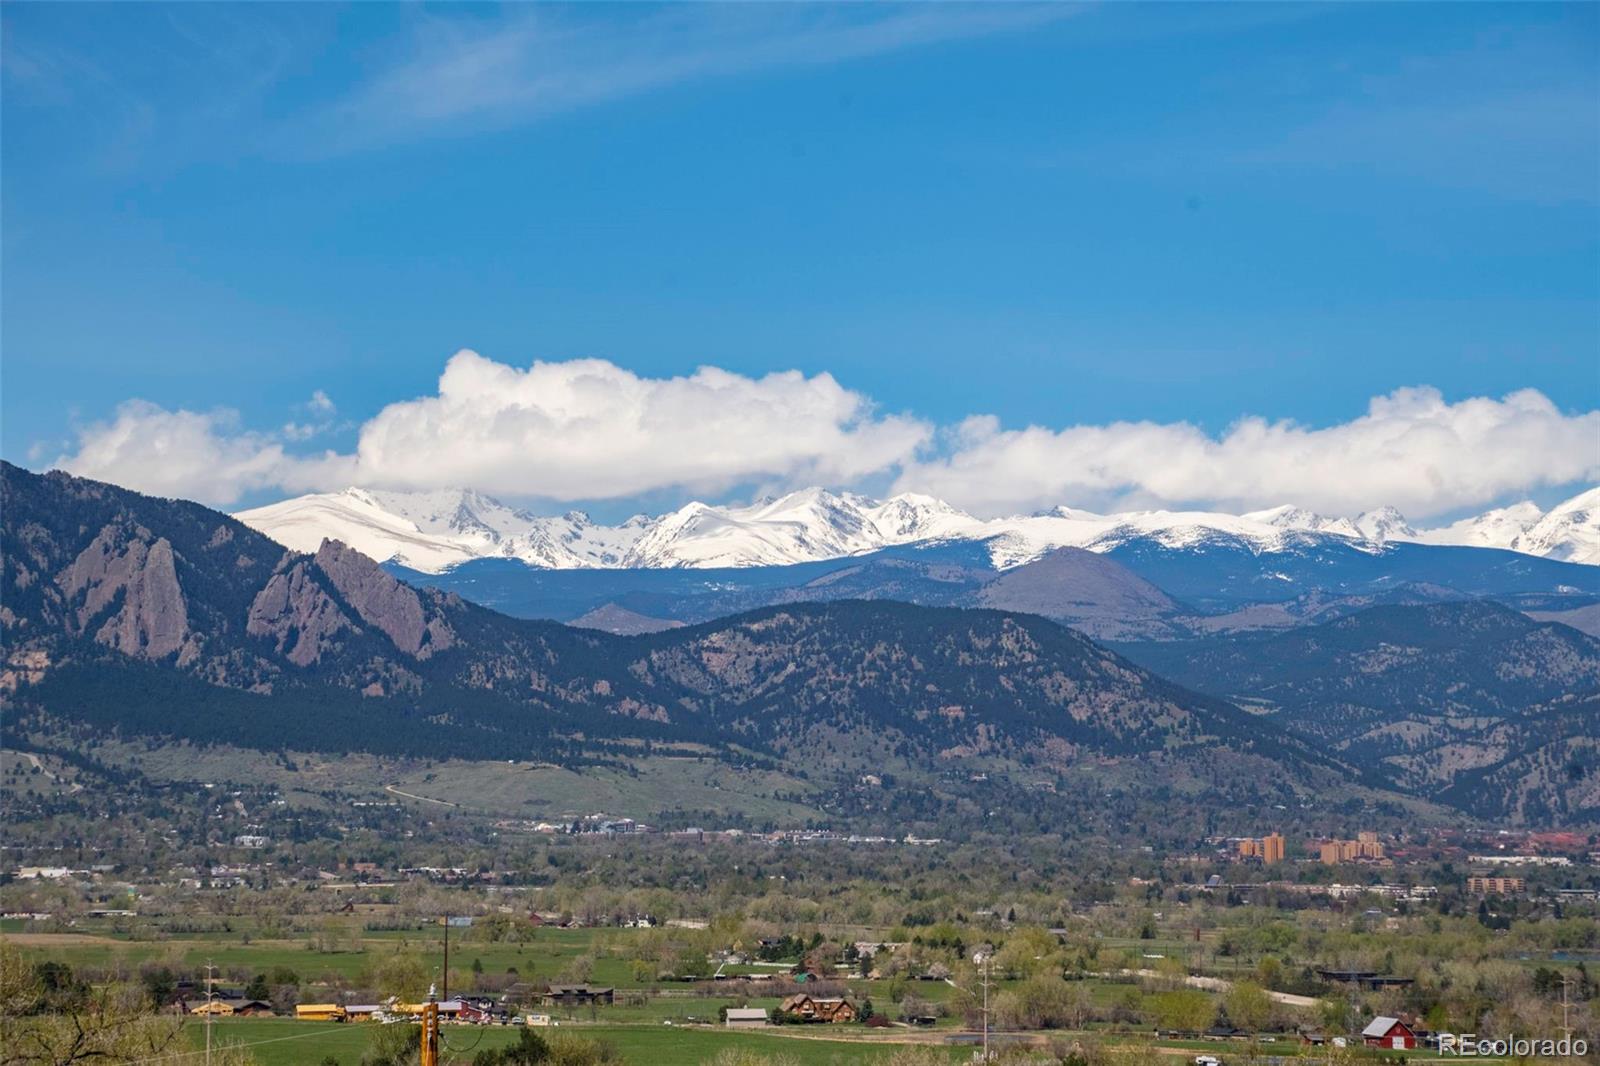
<point>1090,592</point>
<point>126,569</point>
<point>383,602</point>
<point>619,620</point>
<point>298,614</point>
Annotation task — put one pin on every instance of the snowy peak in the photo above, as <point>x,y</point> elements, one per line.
<point>1383,525</point>
<point>1297,519</point>
<point>434,531</point>
<point>1570,531</point>
<point>1501,528</point>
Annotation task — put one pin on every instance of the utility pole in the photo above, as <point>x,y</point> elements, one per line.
<point>209,969</point>
<point>430,1031</point>
<point>982,959</point>
<point>446,957</point>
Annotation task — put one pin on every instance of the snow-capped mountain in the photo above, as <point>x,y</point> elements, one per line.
<point>435,531</point>
<point>1500,528</point>
<point>1570,531</point>
<point>1383,525</point>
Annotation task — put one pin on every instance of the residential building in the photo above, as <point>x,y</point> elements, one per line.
<point>1269,849</point>
<point>579,995</point>
<point>1496,886</point>
<point>818,1009</point>
<point>1365,847</point>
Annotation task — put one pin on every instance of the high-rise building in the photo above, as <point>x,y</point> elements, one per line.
<point>1365,846</point>
<point>1269,849</point>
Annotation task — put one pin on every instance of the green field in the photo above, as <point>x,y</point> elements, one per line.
<point>520,789</point>
<point>282,1042</point>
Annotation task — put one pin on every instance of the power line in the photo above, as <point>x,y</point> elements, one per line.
<point>253,1043</point>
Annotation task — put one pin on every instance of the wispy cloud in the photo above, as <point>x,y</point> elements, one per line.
<point>455,74</point>
<point>1510,114</point>
<point>150,87</point>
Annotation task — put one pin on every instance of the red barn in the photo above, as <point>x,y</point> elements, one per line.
<point>1389,1033</point>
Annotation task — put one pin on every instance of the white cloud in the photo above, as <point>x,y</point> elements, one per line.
<point>584,429</point>
<point>321,409</point>
<point>1411,449</point>
<point>590,430</point>
<point>201,456</point>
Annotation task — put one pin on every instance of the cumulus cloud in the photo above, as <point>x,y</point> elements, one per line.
<point>203,456</point>
<point>584,429</point>
<point>590,430</point>
<point>321,410</point>
<point>1411,449</point>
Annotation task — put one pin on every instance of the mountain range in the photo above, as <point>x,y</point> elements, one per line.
<point>1469,701</point>
<point>161,618</point>
<point>123,614</point>
<point>431,532</point>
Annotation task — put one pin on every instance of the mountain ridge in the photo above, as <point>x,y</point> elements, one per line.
<point>155,617</point>
<point>1466,701</point>
<point>431,532</point>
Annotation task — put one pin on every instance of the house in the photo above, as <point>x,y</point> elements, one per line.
<point>319,1012</point>
<point>818,1008</point>
<point>1370,979</point>
<point>228,1008</point>
<point>520,992</point>
<point>745,1017</point>
<point>361,1012</point>
<point>1389,1033</point>
<point>579,995</point>
<point>478,1013</point>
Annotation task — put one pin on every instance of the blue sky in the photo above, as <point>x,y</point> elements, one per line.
<point>976,220</point>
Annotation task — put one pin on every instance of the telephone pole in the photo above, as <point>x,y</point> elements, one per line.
<point>430,1031</point>
<point>209,969</point>
<point>982,959</point>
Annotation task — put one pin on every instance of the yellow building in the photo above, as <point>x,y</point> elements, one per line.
<point>319,1012</point>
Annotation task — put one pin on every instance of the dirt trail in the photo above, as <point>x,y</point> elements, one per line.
<point>414,796</point>
<point>39,766</point>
